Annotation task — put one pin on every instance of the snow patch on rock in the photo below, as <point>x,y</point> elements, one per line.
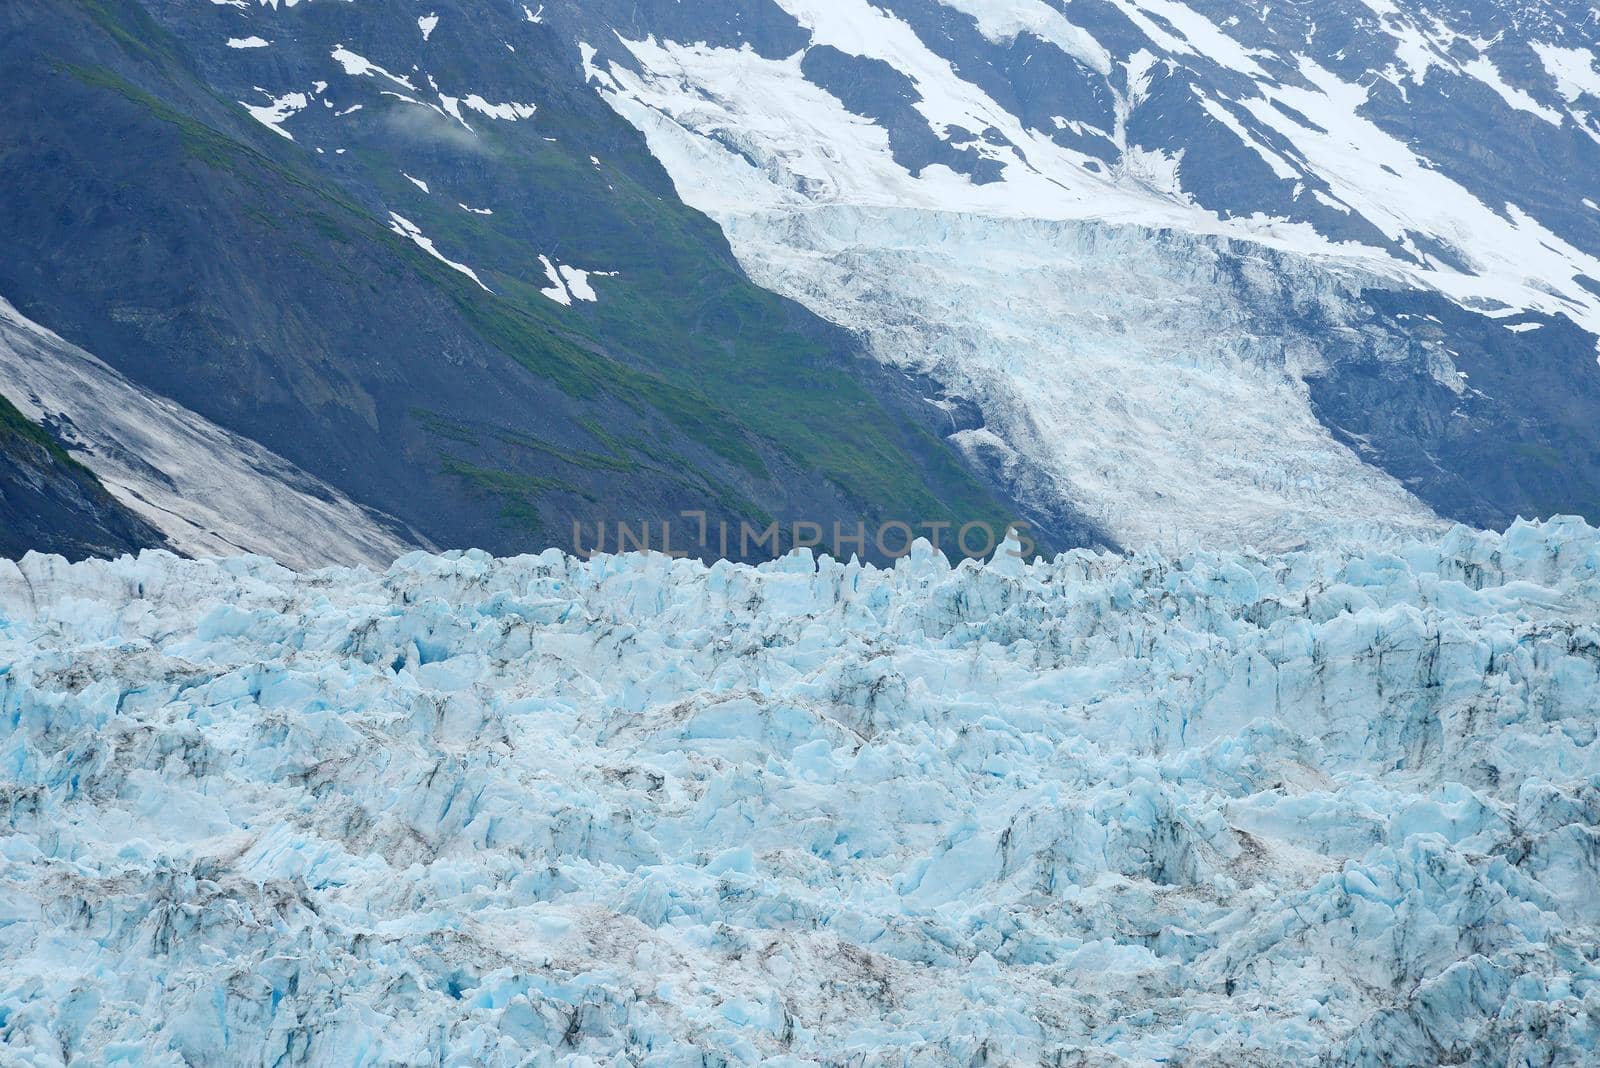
<point>408,229</point>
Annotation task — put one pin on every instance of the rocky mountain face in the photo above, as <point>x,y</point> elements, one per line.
<point>51,503</point>
<point>209,491</point>
<point>1129,270</point>
<point>546,335</point>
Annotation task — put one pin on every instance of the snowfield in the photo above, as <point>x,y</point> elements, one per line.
<point>1208,809</point>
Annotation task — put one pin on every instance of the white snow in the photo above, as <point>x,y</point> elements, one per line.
<point>248,42</point>
<point>1381,177</point>
<point>427,24</point>
<point>358,67</point>
<point>557,289</point>
<point>1423,41</point>
<point>1574,69</point>
<point>1281,167</point>
<point>210,491</point>
<point>1196,35</point>
<point>1003,20</point>
<point>418,182</point>
<point>408,229</point>
<point>1485,71</point>
<point>693,100</point>
<point>567,283</point>
<point>1330,807</point>
<point>476,211</point>
<point>578,284</point>
<point>509,112</point>
<point>280,109</point>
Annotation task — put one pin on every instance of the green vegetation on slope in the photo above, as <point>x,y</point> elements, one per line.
<point>286,308</point>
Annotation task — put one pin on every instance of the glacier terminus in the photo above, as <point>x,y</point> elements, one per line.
<point>1317,807</point>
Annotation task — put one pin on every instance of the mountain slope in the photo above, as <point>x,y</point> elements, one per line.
<point>248,278</point>
<point>209,492</point>
<point>1337,168</point>
<point>50,503</point>
<point>1126,269</point>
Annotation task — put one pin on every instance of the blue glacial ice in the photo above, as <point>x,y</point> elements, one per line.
<point>1144,809</point>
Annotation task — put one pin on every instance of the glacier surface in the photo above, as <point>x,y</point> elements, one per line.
<point>1106,809</point>
<point>1152,379</point>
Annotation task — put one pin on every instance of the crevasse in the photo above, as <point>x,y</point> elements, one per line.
<point>1102,809</point>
